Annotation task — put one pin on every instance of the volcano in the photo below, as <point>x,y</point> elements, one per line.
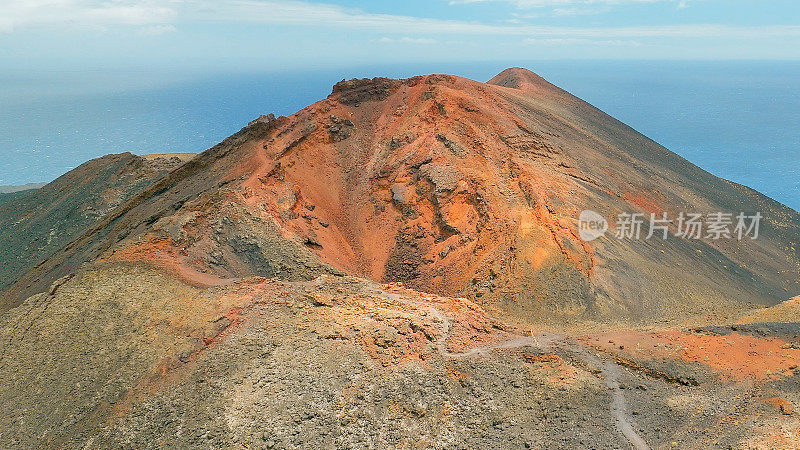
<point>457,188</point>
<point>402,229</point>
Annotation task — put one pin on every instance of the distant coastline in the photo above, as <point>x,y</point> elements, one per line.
<point>23,187</point>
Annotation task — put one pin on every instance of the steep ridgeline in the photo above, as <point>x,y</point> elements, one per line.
<point>35,224</point>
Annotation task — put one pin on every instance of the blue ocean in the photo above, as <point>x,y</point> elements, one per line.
<point>738,120</point>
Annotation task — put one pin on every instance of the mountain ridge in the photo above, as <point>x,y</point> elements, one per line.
<point>388,179</point>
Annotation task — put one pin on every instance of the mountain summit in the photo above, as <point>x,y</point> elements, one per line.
<point>518,78</point>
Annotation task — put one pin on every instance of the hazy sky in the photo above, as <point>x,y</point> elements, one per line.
<point>259,34</point>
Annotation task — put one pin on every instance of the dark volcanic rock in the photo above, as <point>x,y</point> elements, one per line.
<point>37,224</point>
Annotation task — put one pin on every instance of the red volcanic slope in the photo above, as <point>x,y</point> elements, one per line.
<point>455,187</point>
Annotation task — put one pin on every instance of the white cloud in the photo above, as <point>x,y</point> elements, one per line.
<point>156,30</point>
<point>577,41</point>
<point>570,7</point>
<point>288,12</point>
<point>520,18</point>
<point>21,14</point>
<point>543,3</point>
<point>576,11</point>
<point>6,25</point>
<point>406,40</point>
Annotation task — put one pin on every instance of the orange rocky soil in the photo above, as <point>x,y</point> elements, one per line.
<point>733,357</point>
